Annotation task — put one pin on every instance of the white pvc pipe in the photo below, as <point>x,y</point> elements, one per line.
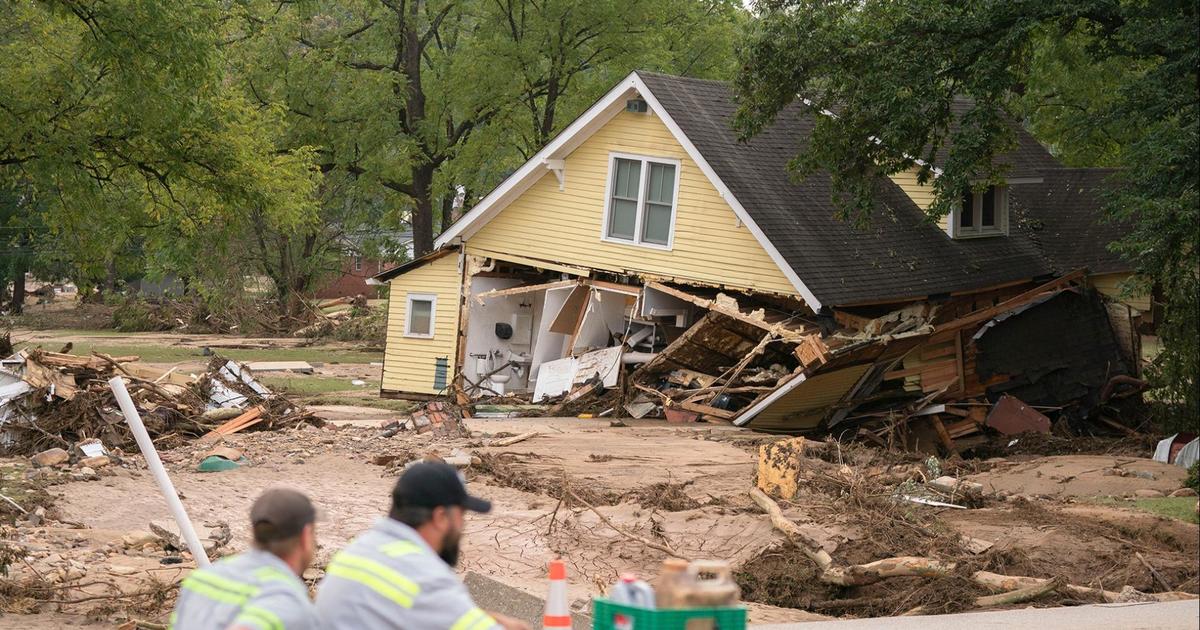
<point>156,468</point>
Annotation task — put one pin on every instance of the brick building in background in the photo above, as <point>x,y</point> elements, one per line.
<point>355,267</point>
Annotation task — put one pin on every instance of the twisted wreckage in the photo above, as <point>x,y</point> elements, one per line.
<point>646,261</point>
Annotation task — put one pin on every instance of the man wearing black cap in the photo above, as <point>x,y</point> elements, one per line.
<point>400,573</point>
<point>259,589</point>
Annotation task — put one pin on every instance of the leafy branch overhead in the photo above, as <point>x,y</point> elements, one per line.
<point>914,84</point>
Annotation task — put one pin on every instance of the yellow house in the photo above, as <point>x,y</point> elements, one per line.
<point>649,202</point>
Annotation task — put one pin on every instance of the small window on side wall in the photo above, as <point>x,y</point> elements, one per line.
<point>982,213</point>
<point>641,201</point>
<point>420,315</point>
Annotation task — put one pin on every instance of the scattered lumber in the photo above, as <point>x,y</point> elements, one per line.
<point>509,441</point>
<point>250,418</point>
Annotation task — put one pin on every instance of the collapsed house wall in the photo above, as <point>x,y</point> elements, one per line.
<point>1059,350</point>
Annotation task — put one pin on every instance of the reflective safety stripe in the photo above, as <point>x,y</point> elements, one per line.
<point>269,574</point>
<point>401,548</point>
<point>391,576</point>
<point>262,617</point>
<point>223,583</point>
<point>474,619</point>
<point>218,588</point>
<point>372,582</point>
<point>376,576</point>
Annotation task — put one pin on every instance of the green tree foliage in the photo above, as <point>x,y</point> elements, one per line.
<point>117,120</point>
<point>423,104</point>
<point>1103,82</point>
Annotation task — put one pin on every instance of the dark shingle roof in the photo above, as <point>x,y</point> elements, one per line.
<point>1063,214</point>
<point>900,255</point>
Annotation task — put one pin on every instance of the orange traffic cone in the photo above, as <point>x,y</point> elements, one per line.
<point>557,614</point>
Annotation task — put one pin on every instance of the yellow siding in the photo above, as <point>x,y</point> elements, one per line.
<point>1110,284</point>
<point>565,226</point>
<point>803,407</point>
<point>409,363</point>
<point>921,194</point>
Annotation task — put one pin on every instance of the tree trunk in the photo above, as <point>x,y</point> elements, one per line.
<point>110,278</point>
<point>17,305</point>
<point>422,214</point>
<point>447,213</point>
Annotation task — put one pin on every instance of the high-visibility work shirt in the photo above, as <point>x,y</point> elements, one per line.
<point>254,589</point>
<point>389,577</point>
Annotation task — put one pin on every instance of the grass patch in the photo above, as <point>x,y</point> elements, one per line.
<point>308,385</point>
<point>160,353</point>
<point>375,402</point>
<point>1178,508</point>
<point>312,355</point>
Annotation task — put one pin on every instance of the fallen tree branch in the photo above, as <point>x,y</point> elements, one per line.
<point>1011,597</point>
<point>999,582</point>
<point>1020,595</point>
<point>631,536</point>
<point>1153,572</point>
<point>14,504</point>
<point>802,541</point>
<point>854,575</point>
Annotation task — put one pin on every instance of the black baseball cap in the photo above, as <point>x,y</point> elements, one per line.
<point>279,514</point>
<point>435,484</point>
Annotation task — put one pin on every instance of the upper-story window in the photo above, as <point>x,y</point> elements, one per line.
<point>641,200</point>
<point>981,213</point>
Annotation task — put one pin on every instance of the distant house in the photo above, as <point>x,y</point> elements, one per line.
<point>355,267</point>
<point>647,216</point>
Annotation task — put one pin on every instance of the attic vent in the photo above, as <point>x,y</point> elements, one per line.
<point>637,106</point>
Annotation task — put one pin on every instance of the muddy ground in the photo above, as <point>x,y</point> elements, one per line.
<point>682,487</point>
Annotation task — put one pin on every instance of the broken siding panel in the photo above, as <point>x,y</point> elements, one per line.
<point>805,406</point>
<point>921,194</point>
<point>411,365</point>
<point>1110,284</point>
<point>565,226</point>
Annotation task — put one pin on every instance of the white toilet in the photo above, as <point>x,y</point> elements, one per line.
<point>485,364</point>
<point>499,379</point>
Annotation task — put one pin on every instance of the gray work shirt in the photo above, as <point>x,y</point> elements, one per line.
<point>254,589</point>
<point>389,577</point>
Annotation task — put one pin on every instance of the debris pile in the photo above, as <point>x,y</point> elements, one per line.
<point>910,559</point>
<point>50,399</point>
<point>346,319</point>
<point>936,375</point>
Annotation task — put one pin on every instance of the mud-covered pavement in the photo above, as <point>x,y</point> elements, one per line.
<point>681,487</point>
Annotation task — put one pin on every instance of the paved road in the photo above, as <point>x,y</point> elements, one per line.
<point>1167,616</point>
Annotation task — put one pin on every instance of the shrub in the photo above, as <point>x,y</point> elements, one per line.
<point>136,315</point>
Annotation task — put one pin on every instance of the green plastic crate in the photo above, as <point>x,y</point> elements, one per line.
<point>605,613</point>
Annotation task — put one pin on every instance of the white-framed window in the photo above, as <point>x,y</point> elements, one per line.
<point>640,200</point>
<point>420,315</point>
<point>981,213</point>
<point>358,263</point>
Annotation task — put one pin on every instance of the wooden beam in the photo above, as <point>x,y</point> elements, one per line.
<point>711,305</point>
<point>706,410</point>
<point>1019,300</point>
<point>525,289</point>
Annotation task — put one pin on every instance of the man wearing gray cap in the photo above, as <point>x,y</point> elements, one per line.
<point>400,573</point>
<point>261,588</point>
